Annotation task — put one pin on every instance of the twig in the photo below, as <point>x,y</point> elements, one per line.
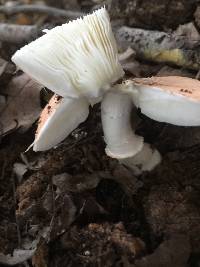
<point>28,164</point>
<point>3,170</point>
<point>15,202</point>
<point>17,34</point>
<point>51,11</point>
<point>160,46</point>
<point>197,75</point>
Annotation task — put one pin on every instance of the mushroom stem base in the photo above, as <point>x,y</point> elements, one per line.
<point>146,160</point>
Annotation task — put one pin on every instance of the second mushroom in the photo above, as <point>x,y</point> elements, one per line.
<point>175,100</point>
<point>79,61</point>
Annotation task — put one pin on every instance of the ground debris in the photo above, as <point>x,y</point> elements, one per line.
<point>172,252</point>
<point>17,34</point>
<point>164,47</point>
<point>98,245</point>
<point>19,169</point>
<point>19,256</point>
<point>23,104</point>
<point>154,14</point>
<point>40,257</point>
<point>78,183</point>
<point>6,73</point>
<point>172,204</point>
<point>72,205</point>
<point>51,11</point>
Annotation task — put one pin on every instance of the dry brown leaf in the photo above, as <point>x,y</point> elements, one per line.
<point>2,102</point>
<point>19,169</point>
<point>78,183</point>
<point>189,30</point>
<point>169,71</point>
<point>23,104</point>
<point>40,258</point>
<point>172,252</point>
<point>3,64</point>
<point>18,256</point>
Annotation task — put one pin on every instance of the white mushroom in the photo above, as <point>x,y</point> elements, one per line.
<point>171,99</point>
<point>78,61</point>
<point>122,143</point>
<point>57,121</point>
<point>174,100</point>
<point>75,59</point>
<point>118,134</point>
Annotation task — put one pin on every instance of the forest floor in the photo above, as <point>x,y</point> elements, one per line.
<point>73,205</point>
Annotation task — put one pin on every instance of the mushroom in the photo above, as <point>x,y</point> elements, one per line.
<point>121,141</point>
<point>54,116</point>
<point>118,134</point>
<point>172,99</point>
<point>78,61</point>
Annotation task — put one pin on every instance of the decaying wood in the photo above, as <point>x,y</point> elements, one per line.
<point>154,14</point>
<point>17,34</point>
<point>161,46</point>
<point>51,11</point>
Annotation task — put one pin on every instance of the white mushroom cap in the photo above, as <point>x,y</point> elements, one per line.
<point>76,59</point>
<point>172,99</point>
<point>58,119</point>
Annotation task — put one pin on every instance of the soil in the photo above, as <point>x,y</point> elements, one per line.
<point>85,209</point>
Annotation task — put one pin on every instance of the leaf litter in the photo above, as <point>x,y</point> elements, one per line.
<point>74,206</point>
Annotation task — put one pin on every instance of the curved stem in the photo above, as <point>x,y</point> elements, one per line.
<point>122,142</point>
<point>119,136</point>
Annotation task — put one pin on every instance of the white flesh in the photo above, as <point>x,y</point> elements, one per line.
<point>146,160</point>
<point>164,106</point>
<point>118,133</point>
<point>68,115</point>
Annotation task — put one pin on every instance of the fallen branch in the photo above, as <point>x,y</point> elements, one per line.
<point>17,34</point>
<point>50,11</point>
<point>160,46</point>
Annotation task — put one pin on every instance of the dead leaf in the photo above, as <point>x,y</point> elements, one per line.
<point>23,104</point>
<point>3,64</point>
<point>128,62</point>
<point>65,215</point>
<point>19,256</point>
<point>172,252</point>
<point>133,67</point>
<point>78,183</point>
<point>40,258</point>
<point>19,169</point>
<point>197,16</point>
<point>188,30</point>
<point>127,180</point>
<point>2,102</point>
<point>169,71</point>
<point>6,73</point>
<point>127,54</point>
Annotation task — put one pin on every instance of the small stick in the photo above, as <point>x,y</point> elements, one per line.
<point>158,46</point>
<point>51,11</point>
<point>16,219</point>
<point>197,75</point>
<point>17,34</point>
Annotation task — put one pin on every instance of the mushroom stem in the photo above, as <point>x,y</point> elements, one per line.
<point>122,142</point>
<point>120,139</point>
<point>145,160</point>
<point>59,118</point>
